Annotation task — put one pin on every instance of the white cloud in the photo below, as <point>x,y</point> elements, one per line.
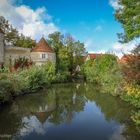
<point>88,44</point>
<point>98,52</point>
<point>116,48</point>
<point>34,23</point>
<point>92,48</point>
<point>98,28</point>
<point>114,4</point>
<point>120,49</point>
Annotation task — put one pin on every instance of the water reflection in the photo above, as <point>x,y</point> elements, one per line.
<point>69,112</point>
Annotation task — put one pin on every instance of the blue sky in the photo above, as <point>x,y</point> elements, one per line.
<point>90,21</point>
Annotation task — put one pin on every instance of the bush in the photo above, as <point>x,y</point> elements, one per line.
<point>132,94</point>
<point>105,71</point>
<point>136,118</point>
<point>26,81</point>
<point>49,71</point>
<point>10,85</point>
<point>22,62</point>
<point>62,77</point>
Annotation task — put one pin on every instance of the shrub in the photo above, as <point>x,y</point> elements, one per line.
<point>105,71</point>
<point>49,71</point>
<point>10,85</point>
<point>136,118</point>
<point>132,94</point>
<point>62,77</point>
<point>22,62</point>
<point>26,81</point>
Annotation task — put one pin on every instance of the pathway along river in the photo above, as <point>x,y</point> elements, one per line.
<point>68,112</point>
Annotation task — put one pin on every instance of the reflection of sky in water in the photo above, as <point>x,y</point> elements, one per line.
<point>90,121</point>
<point>31,124</point>
<point>117,133</point>
<point>71,113</point>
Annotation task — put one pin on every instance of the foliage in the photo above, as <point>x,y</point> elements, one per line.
<point>68,52</point>
<point>55,40</point>
<point>128,16</point>
<point>62,77</point>
<point>22,62</point>
<point>26,81</point>
<point>132,94</point>
<point>131,69</point>
<point>49,71</point>
<point>104,70</point>
<point>136,117</point>
<point>3,69</point>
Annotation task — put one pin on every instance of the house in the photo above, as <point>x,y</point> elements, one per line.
<point>40,54</point>
<point>125,58</point>
<point>91,56</point>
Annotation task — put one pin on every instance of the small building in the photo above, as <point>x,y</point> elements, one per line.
<point>91,56</point>
<point>40,54</point>
<point>125,58</point>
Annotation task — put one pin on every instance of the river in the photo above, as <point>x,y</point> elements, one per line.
<point>68,112</point>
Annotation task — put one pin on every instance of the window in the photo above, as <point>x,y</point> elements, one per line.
<point>43,56</point>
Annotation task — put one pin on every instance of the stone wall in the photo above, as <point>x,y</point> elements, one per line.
<point>1,48</point>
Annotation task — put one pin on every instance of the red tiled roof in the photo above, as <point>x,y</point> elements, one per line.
<point>93,55</point>
<point>125,58</point>
<point>42,46</point>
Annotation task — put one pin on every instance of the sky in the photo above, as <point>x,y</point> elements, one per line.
<point>90,21</point>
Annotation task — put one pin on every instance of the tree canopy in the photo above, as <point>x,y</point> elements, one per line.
<point>12,36</point>
<point>128,14</point>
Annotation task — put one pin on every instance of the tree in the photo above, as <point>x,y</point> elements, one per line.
<point>131,69</point>
<point>128,15</point>
<point>56,41</point>
<point>79,52</point>
<point>69,42</point>
<point>12,36</point>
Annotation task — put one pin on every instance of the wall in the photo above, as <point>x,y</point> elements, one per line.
<point>12,53</point>
<point>1,47</point>
<point>36,57</point>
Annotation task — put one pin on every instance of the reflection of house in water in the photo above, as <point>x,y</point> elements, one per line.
<point>44,112</point>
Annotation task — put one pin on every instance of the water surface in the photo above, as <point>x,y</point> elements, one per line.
<point>68,112</point>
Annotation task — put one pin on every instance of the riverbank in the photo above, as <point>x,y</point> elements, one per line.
<point>104,71</point>
<point>27,81</point>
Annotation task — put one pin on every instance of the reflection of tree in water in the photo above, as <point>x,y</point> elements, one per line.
<point>69,100</point>
<point>59,105</point>
<point>114,109</point>
<point>16,117</point>
<point>10,122</point>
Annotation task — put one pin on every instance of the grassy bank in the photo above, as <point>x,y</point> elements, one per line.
<point>28,81</point>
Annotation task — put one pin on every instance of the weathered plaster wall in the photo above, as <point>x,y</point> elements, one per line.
<point>14,53</point>
<point>37,57</point>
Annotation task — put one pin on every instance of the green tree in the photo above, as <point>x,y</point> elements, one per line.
<point>56,41</point>
<point>69,42</point>
<point>105,71</point>
<point>12,36</point>
<point>129,16</point>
